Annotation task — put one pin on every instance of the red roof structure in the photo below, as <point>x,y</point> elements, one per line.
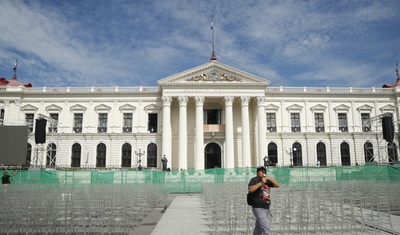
<point>13,82</point>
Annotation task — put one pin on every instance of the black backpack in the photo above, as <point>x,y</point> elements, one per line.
<point>250,198</point>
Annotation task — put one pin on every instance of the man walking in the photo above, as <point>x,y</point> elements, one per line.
<point>260,188</point>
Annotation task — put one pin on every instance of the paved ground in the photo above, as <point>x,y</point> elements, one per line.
<point>185,215</point>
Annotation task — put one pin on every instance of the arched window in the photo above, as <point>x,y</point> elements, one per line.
<point>76,155</point>
<point>126,155</point>
<point>273,153</point>
<point>345,154</point>
<point>297,154</point>
<point>392,152</point>
<point>368,152</point>
<point>28,154</point>
<point>101,155</point>
<point>51,154</point>
<point>321,154</point>
<point>152,155</point>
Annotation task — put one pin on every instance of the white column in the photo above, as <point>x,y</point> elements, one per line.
<point>246,153</point>
<point>229,154</point>
<point>183,132</point>
<point>199,156</point>
<point>262,128</point>
<point>166,134</point>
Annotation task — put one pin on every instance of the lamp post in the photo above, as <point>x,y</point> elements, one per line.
<point>290,152</point>
<point>139,152</point>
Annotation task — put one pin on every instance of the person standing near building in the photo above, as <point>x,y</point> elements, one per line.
<point>6,177</point>
<point>259,190</point>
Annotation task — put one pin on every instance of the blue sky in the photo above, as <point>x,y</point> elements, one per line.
<point>80,43</point>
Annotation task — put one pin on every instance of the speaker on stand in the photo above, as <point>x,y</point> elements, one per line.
<point>40,131</point>
<point>388,128</point>
<point>388,135</point>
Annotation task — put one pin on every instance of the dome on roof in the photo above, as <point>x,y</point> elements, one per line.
<point>13,82</point>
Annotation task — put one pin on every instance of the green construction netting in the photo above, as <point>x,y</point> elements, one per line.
<point>192,180</point>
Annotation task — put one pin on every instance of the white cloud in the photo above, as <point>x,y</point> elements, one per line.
<point>79,43</point>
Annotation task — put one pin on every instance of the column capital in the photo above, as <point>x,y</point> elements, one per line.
<point>167,100</point>
<point>229,100</point>
<point>245,100</point>
<point>199,100</point>
<point>183,100</point>
<point>260,100</point>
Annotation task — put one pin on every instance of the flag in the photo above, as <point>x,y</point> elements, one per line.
<point>397,68</point>
<point>15,66</point>
<point>212,21</point>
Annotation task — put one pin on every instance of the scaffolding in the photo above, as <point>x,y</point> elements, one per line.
<point>50,149</point>
<point>385,152</point>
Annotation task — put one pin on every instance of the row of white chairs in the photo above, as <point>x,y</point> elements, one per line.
<point>90,209</point>
<point>354,207</point>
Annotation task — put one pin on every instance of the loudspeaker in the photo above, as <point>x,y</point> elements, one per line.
<point>388,128</point>
<point>40,131</point>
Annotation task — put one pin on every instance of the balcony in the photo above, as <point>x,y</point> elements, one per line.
<point>101,129</point>
<point>77,129</point>
<point>214,128</point>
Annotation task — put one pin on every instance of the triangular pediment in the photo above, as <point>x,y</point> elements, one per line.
<point>387,108</point>
<point>29,108</point>
<point>272,107</point>
<point>77,108</point>
<point>365,107</point>
<point>53,107</point>
<point>127,107</point>
<point>102,107</point>
<point>318,107</point>
<point>212,73</point>
<point>152,107</point>
<point>342,107</point>
<point>294,107</point>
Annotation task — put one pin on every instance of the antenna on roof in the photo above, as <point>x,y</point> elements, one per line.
<point>213,56</point>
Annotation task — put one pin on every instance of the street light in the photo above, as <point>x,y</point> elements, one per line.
<point>290,152</point>
<point>139,152</point>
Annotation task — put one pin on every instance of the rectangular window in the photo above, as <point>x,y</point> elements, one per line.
<point>29,121</point>
<point>78,122</point>
<point>271,122</point>
<point>343,122</point>
<point>295,121</point>
<point>366,124</point>
<point>53,123</point>
<point>152,123</point>
<point>319,122</point>
<point>127,125</point>
<point>102,128</point>
<point>212,116</point>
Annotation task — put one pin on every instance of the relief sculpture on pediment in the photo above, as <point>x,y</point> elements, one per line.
<point>213,76</point>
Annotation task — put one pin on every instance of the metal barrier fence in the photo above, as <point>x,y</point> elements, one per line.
<point>191,180</point>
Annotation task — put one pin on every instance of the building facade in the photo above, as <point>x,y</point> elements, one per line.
<point>209,116</point>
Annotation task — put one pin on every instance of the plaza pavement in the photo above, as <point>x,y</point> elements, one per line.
<point>185,215</point>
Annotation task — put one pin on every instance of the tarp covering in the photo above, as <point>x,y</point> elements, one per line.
<point>191,180</point>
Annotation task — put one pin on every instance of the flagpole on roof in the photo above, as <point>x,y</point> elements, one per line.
<point>397,69</point>
<point>213,56</point>
<point>15,69</point>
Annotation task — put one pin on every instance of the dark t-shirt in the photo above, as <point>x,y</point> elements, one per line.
<point>261,197</point>
<point>5,179</point>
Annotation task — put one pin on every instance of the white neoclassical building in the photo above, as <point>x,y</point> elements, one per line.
<point>209,116</point>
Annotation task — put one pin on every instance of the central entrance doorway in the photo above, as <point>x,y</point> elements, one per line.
<point>212,156</point>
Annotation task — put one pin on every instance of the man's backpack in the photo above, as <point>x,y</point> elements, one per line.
<point>250,198</point>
